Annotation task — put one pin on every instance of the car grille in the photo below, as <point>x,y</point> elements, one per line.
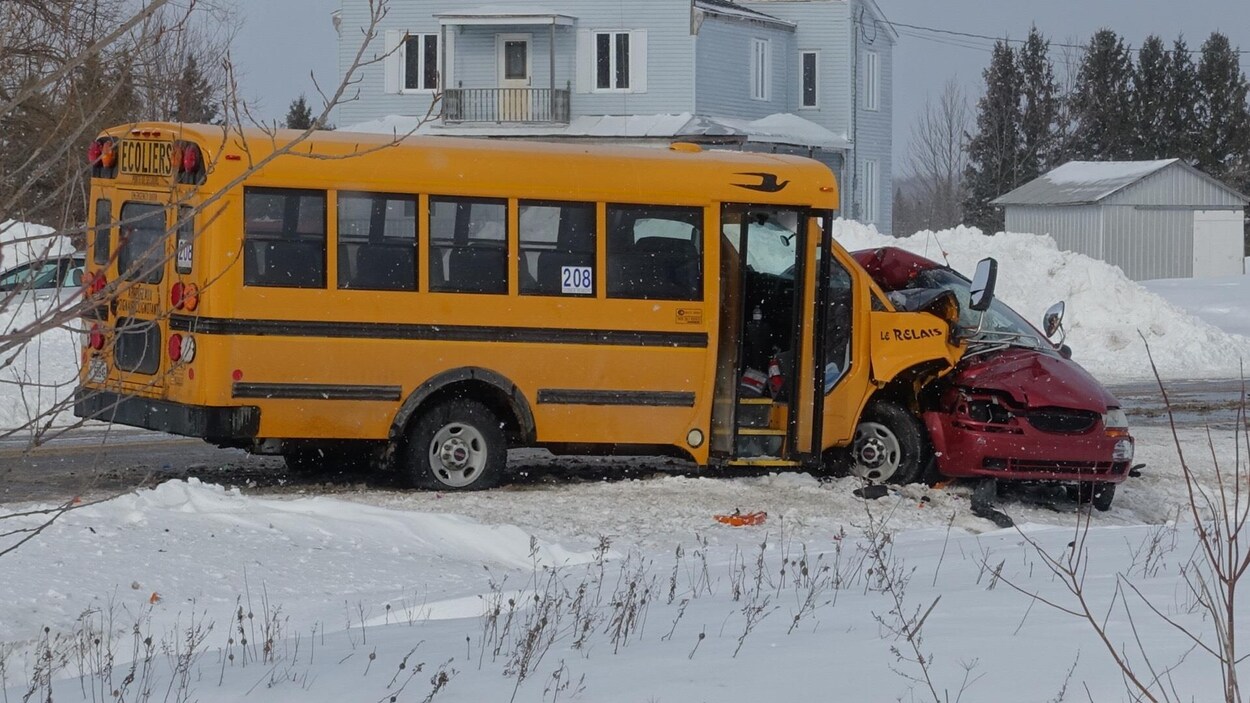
<point>1062,420</point>
<point>1093,468</point>
<point>138,345</point>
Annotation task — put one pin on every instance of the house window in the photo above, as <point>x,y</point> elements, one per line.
<point>759,69</point>
<point>872,185</point>
<point>420,61</point>
<point>872,80</point>
<point>808,62</point>
<point>612,61</point>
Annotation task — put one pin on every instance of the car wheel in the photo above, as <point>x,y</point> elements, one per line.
<point>1099,494</point>
<point>456,446</point>
<point>889,445</point>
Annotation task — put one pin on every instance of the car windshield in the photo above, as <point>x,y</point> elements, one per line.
<point>999,319</point>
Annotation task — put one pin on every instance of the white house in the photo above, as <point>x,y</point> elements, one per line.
<point>810,77</point>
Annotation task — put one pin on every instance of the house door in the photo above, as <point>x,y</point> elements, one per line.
<point>514,77</point>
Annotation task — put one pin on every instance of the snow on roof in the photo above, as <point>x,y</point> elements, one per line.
<point>781,128</point>
<point>730,9</point>
<point>1080,182</point>
<point>484,14</point>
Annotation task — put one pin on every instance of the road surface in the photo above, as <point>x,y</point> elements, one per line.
<point>97,461</point>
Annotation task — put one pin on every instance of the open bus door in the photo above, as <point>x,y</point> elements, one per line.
<point>765,372</point>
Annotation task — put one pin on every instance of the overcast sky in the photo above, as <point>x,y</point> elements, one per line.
<point>282,41</point>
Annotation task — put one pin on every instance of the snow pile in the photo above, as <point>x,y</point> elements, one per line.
<point>21,242</point>
<point>1107,314</point>
<point>38,377</point>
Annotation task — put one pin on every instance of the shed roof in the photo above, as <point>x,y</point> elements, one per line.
<point>1081,182</point>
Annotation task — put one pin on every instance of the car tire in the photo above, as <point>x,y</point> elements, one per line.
<point>456,446</point>
<point>889,446</point>
<point>1097,493</point>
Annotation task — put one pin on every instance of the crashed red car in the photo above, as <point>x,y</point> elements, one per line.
<point>1016,407</point>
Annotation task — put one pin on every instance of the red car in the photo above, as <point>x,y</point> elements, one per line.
<point>1016,407</point>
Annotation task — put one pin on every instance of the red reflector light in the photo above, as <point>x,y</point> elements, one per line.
<point>96,339</point>
<point>176,296</point>
<point>237,375</point>
<point>175,347</point>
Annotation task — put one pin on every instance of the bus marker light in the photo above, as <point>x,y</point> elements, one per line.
<point>175,347</point>
<point>233,157</point>
<point>695,438</point>
<point>237,375</point>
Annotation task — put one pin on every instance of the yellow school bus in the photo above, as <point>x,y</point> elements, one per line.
<point>427,303</point>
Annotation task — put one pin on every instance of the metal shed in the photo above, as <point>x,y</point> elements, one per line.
<point>1153,219</point>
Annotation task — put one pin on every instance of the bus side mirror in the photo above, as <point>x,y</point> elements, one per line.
<point>982,290</point>
<point>1052,321</point>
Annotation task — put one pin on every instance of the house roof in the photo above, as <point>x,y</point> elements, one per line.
<point>733,9</point>
<point>781,128</point>
<point>505,14</point>
<point>1084,182</point>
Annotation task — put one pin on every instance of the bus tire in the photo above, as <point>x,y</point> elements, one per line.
<point>889,445</point>
<point>458,445</point>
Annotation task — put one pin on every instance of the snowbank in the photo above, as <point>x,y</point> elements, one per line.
<point>1107,314</point>
<point>21,242</point>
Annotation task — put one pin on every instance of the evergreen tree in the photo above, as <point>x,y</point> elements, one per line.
<point>1223,117</point>
<point>1151,99</point>
<point>299,116</point>
<point>1102,102</point>
<point>1180,119</point>
<point>994,151</point>
<point>1039,108</point>
<point>193,95</point>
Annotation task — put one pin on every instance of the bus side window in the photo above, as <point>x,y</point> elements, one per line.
<point>468,245</point>
<point>377,245</point>
<point>284,237</point>
<point>557,242</point>
<point>655,252</point>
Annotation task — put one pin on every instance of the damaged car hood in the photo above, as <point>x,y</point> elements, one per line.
<point>1035,379</point>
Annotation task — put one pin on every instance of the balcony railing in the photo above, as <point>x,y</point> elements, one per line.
<point>506,105</point>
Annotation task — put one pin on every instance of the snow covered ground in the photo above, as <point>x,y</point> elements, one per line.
<point>629,590</point>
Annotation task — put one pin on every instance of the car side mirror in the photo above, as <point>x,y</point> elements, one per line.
<point>1052,321</point>
<point>982,290</point>
<point>1065,351</point>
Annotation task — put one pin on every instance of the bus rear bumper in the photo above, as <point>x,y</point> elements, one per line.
<point>213,423</point>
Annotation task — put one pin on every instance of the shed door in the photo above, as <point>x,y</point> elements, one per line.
<point>1219,244</point>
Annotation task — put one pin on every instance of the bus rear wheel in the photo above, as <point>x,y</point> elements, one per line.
<point>456,446</point>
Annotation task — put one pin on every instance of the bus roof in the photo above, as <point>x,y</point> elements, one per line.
<point>513,168</point>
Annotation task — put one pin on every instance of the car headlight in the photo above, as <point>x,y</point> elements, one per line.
<point>1115,421</point>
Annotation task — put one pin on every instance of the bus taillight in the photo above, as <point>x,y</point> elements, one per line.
<point>191,297</point>
<point>95,339</point>
<point>188,162</point>
<point>181,348</point>
<point>175,347</point>
<point>176,296</point>
<point>102,156</point>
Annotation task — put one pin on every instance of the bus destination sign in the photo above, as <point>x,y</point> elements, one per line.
<point>144,158</point>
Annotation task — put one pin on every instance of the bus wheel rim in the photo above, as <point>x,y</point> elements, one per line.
<point>876,452</point>
<point>457,454</point>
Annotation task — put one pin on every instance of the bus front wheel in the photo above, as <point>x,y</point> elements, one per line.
<point>456,446</point>
<point>889,445</point>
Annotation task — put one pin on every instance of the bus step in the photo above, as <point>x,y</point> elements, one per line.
<point>760,432</point>
<point>759,462</point>
<point>754,443</point>
<point>755,412</point>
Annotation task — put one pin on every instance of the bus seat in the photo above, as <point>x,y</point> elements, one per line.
<point>476,269</point>
<point>285,263</point>
<point>658,267</point>
<point>386,267</point>
<point>551,265</point>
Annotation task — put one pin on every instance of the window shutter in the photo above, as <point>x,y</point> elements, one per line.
<point>585,61</point>
<point>393,61</point>
<point>638,61</point>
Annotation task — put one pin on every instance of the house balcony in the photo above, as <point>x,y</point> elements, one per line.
<point>506,105</point>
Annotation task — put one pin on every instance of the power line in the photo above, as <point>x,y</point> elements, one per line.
<point>986,37</point>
